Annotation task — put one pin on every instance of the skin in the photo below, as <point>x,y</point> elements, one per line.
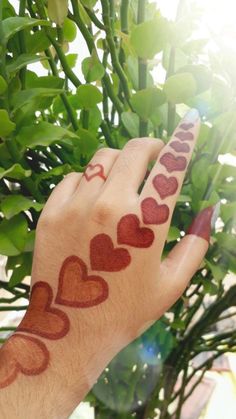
<point>100,255</point>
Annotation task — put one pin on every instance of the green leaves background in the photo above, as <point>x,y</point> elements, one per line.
<point>138,76</point>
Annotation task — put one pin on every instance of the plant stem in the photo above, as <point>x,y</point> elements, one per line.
<point>112,48</point>
<point>142,69</point>
<point>22,7</point>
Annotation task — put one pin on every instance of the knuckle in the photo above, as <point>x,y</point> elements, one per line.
<point>106,152</point>
<point>102,212</point>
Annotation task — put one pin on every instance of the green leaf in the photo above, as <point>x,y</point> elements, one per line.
<point>209,287</point>
<point>56,171</point>
<point>32,97</point>
<point>227,242</point>
<point>72,59</point>
<point>3,85</point>
<point>131,123</point>
<point>6,125</point>
<point>146,101</point>
<point>22,61</point>
<point>69,30</point>
<point>13,235</point>
<point>57,10</point>
<point>180,87</point>
<point>92,69</point>
<point>13,204</point>
<point>217,270</point>
<point>20,272</point>
<point>173,234</point>
<point>12,25</point>
<point>47,82</point>
<point>201,74</point>
<point>88,96</point>
<point>228,211</point>
<point>87,143</point>
<point>42,134</point>
<point>37,41</point>
<point>89,3</point>
<point>150,37</point>
<point>14,172</point>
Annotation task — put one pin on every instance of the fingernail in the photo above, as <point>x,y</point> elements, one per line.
<point>204,222</point>
<point>191,116</point>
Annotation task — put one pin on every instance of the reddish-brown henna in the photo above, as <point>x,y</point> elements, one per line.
<point>184,136</point>
<point>93,170</point>
<point>165,186</point>
<point>153,213</point>
<point>76,288</point>
<point>173,163</point>
<point>104,257</point>
<point>22,354</point>
<point>186,126</point>
<point>201,225</point>
<point>129,232</point>
<point>40,318</point>
<point>180,147</point>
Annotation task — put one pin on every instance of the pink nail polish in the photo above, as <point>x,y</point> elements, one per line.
<point>203,223</point>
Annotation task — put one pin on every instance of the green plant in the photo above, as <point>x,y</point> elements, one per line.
<point>53,124</point>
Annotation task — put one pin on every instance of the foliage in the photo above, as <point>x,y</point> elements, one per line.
<point>53,124</point>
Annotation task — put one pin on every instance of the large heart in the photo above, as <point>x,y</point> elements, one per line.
<point>180,147</point>
<point>164,185</point>
<point>153,213</point>
<point>40,318</point>
<point>129,232</point>
<point>184,136</point>
<point>22,353</point>
<point>93,170</point>
<point>173,163</point>
<point>186,126</point>
<point>104,257</point>
<point>76,288</point>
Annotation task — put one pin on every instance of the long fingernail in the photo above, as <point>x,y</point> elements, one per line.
<point>204,222</point>
<point>191,116</point>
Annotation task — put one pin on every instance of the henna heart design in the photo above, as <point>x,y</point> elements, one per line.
<point>173,163</point>
<point>129,232</point>
<point>153,213</point>
<point>93,170</point>
<point>22,354</point>
<point>165,186</point>
<point>76,288</point>
<point>180,147</point>
<point>104,257</point>
<point>186,127</point>
<point>184,136</point>
<point>40,318</point>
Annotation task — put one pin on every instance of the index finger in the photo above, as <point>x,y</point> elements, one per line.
<point>158,197</point>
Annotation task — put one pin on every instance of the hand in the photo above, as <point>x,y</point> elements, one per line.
<point>97,279</point>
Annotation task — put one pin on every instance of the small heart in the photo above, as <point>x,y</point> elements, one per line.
<point>153,213</point>
<point>104,257</point>
<point>22,353</point>
<point>173,163</point>
<point>129,232</point>
<point>180,147</point>
<point>186,127</point>
<point>93,170</point>
<point>184,136</point>
<point>40,318</point>
<point>76,288</point>
<point>165,186</point>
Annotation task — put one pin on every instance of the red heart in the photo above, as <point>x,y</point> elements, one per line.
<point>22,353</point>
<point>186,127</point>
<point>180,147</point>
<point>41,318</point>
<point>104,257</point>
<point>173,163</point>
<point>153,213</point>
<point>76,288</point>
<point>184,136</point>
<point>129,232</point>
<point>93,170</point>
<point>165,186</point>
